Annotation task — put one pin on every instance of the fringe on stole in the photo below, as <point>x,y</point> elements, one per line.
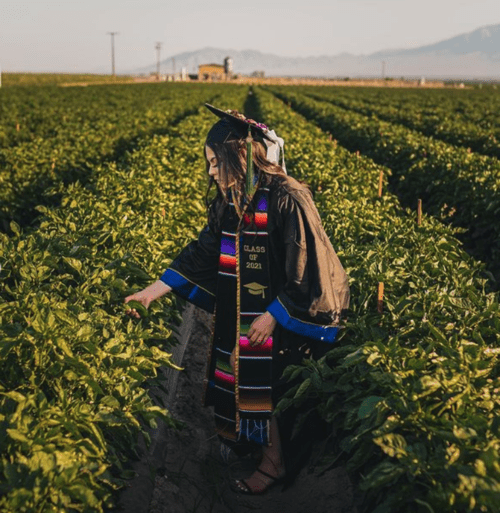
<point>255,430</point>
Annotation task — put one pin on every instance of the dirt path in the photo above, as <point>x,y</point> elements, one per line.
<point>195,478</point>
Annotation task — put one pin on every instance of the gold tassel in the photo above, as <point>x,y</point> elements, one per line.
<point>250,187</point>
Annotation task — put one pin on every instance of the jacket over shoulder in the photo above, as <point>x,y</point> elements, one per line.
<point>315,295</point>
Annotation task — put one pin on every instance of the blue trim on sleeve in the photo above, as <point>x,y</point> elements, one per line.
<point>316,331</point>
<point>188,290</point>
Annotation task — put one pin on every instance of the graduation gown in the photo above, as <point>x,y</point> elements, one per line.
<point>308,285</point>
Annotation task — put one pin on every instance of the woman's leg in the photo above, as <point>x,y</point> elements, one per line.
<point>272,463</point>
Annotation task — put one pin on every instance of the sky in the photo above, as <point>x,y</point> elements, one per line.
<point>72,35</point>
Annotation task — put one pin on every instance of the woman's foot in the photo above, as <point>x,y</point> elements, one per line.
<point>268,474</point>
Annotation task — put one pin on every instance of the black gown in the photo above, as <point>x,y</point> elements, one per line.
<point>308,284</point>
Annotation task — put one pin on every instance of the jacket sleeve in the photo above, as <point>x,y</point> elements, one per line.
<point>192,275</point>
<point>315,295</point>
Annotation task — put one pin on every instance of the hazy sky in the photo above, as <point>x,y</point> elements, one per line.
<point>71,35</point>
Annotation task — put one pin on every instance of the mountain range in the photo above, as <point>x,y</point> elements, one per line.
<point>474,55</point>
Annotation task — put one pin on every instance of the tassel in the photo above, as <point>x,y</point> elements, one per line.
<point>249,186</point>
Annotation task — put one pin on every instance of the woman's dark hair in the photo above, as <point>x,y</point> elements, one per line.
<point>232,163</point>
<point>230,150</point>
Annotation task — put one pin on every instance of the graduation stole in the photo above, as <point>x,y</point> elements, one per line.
<point>242,399</point>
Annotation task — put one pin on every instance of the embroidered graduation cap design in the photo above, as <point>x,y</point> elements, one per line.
<point>256,289</point>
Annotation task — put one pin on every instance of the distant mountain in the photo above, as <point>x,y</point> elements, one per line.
<point>472,55</point>
<point>483,40</point>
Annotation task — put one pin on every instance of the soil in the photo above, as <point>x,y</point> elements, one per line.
<point>197,478</point>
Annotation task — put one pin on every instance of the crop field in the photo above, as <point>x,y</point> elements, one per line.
<point>100,188</point>
<point>36,79</point>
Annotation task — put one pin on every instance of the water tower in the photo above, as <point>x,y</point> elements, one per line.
<point>228,67</point>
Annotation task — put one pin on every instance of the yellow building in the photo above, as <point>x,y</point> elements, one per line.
<point>216,72</point>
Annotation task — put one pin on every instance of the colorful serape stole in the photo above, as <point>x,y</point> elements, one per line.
<point>254,363</point>
<point>242,400</point>
<point>220,381</point>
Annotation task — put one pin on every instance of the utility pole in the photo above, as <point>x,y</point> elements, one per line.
<point>112,34</point>
<point>158,48</point>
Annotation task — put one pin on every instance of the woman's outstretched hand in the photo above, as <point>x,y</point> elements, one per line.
<point>261,329</point>
<point>142,298</point>
<point>146,296</point>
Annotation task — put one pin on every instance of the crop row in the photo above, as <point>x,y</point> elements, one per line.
<point>411,394</point>
<point>466,105</point>
<point>28,113</point>
<point>74,370</point>
<point>48,79</point>
<point>69,131</point>
<point>455,185</point>
<point>461,122</point>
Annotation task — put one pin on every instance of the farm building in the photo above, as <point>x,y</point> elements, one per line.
<point>216,72</point>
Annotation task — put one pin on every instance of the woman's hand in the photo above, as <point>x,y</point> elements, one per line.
<point>261,329</point>
<point>141,297</point>
<point>147,296</point>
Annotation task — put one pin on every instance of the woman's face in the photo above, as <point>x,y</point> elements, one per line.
<point>213,170</point>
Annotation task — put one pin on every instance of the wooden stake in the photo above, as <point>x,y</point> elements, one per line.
<point>380,183</point>
<point>17,127</point>
<point>419,212</point>
<point>380,299</point>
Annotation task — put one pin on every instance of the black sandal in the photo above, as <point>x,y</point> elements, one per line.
<point>248,491</point>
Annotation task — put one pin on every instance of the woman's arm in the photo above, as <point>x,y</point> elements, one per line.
<point>192,275</point>
<point>147,296</point>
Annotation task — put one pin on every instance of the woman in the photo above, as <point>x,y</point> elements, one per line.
<point>265,267</point>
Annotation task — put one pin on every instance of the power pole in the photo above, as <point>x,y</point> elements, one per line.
<point>112,34</point>
<point>158,48</point>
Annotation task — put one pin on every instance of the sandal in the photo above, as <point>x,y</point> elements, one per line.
<point>247,490</point>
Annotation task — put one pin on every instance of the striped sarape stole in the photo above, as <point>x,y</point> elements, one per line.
<point>241,399</point>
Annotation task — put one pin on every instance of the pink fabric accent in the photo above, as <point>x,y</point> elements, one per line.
<point>263,349</point>
<point>224,377</point>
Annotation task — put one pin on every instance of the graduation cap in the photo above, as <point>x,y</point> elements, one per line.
<point>232,126</point>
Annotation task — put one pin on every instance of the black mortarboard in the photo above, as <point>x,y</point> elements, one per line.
<point>231,127</point>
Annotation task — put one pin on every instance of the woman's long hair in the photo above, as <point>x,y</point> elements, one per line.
<point>232,164</point>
